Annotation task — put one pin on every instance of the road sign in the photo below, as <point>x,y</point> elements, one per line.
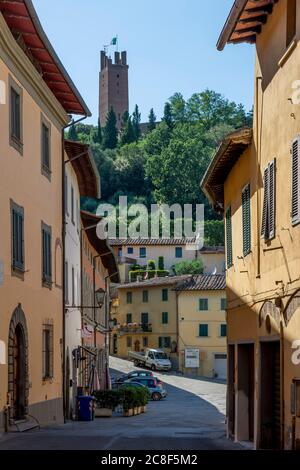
<point>192,358</point>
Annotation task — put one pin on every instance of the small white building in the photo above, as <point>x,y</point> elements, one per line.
<point>173,250</point>
<point>81,179</point>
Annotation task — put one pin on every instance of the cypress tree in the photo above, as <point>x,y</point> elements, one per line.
<point>110,132</point>
<point>152,120</point>
<point>168,116</point>
<point>136,120</point>
<point>128,135</point>
<point>99,133</point>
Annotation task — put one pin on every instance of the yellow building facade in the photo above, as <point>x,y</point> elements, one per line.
<point>145,316</point>
<point>254,180</point>
<point>32,118</point>
<point>202,326</point>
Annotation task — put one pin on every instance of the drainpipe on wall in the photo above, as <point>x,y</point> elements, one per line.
<point>177,334</point>
<point>258,143</point>
<point>63,238</point>
<point>282,382</point>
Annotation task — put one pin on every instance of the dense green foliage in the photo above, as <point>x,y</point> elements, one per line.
<point>188,267</point>
<point>167,164</point>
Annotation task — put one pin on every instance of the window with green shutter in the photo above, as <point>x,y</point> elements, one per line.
<point>268,215</point>
<point>144,318</point>
<point>165,295</point>
<point>223,304</point>
<point>46,146</point>
<point>203,304</point>
<point>246,201</point>
<point>296,181</point>
<point>129,297</point>
<point>145,296</point>
<point>203,330</point>
<point>129,318</point>
<point>228,237</point>
<point>129,341</point>
<point>46,254</point>
<point>17,222</point>
<point>223,331</point>
<point>165,318</point>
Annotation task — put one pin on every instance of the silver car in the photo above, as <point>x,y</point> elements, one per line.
<point>156,389</point>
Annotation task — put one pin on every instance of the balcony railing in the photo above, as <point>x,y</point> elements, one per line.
<point>131,328</point>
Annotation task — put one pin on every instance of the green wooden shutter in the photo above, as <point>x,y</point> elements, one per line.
<point>265,203</point>
<point>246,220</point>
<point>229,237</point>
<point>272,198</point>
<point>296,181</point>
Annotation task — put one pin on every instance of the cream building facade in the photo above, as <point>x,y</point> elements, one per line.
<point>32,118</point>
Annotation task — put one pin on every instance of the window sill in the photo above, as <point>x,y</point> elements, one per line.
<point>287,53</point>
<point>47,284</point>
<point>16,144</point>
<point>47,380</point>
<point>46,172</point>
<point>18,272</point>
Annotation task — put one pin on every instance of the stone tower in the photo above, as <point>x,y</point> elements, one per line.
<point>113,85</point>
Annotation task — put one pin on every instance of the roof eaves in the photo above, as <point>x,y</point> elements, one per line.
<point>231,21</point>
<point>243,135</point>
<point>51,50</point>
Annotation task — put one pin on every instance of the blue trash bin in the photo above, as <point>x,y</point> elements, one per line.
<point>85,406</point>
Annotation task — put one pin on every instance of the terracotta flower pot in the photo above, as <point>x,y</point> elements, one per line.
<point>128,413</point>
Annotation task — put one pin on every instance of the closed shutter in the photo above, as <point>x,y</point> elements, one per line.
<point>272,200</point>
<point>246,220</point>
<point>47,255</point>
<point>296,181</point>
<point>160,342</point>
<point>17,237</point>
<point>229,237</point>
<point>269,204</point>
<point>265,204</point>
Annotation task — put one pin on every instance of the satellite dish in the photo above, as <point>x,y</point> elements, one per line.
<point>215,270</point>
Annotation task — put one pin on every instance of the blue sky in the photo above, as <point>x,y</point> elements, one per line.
<point>171,46</point>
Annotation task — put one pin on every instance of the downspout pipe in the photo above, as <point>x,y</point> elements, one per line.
<point>63,238</point>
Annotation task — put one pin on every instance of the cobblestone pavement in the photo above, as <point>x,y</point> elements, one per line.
<point>190,418</point>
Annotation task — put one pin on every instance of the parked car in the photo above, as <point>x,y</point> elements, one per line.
<point>119,385</point>
<point>156,389</point>
<point>133,374</point>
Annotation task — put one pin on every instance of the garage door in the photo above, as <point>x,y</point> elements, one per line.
<point>221,366</point>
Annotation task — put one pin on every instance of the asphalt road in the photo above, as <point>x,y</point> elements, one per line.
<point>190,418</point>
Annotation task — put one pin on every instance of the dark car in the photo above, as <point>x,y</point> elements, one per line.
<point>120,385</point>
<point>133,374</point>
<point>156,389</point>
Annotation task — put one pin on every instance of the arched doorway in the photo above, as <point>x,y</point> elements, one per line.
<point>18,365</point>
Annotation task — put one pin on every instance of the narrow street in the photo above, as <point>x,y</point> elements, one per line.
<point>190,418</point>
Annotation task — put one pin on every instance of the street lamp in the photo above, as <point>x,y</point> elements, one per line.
<point>100,297</point>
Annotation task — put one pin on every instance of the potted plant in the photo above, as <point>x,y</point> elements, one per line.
<point>106,402</point>
<point>129,400</point>
<point>145,397</point>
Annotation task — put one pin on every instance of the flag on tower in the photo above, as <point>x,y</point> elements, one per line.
<point>114,41</point>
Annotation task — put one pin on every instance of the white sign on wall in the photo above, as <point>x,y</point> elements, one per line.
<point>192,358</point>
<point>2,353</point>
